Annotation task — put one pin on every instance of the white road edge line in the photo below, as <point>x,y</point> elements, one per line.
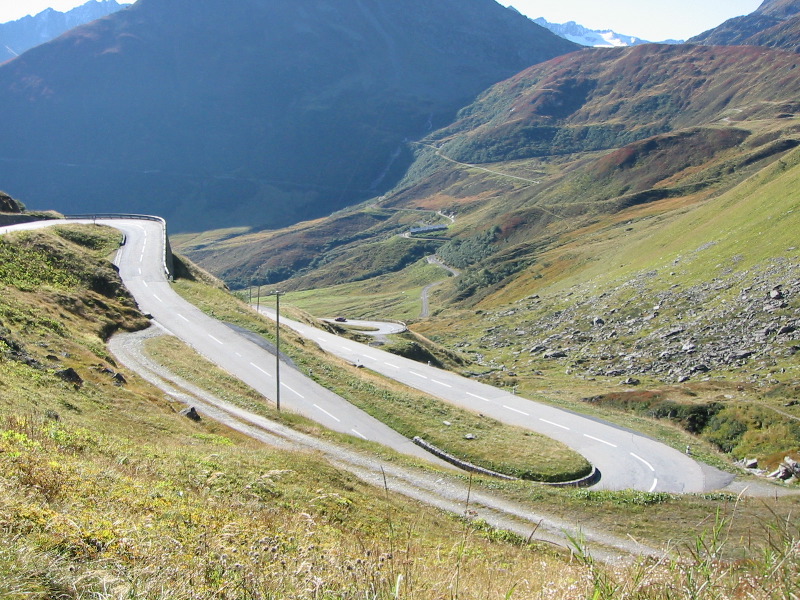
<point>653,487</point>
<point>318,407</point>
<point>639,458</point>
<point>359,434</point>
<point>591,437</point>
<point>554,424</point>
<point>516,411</point>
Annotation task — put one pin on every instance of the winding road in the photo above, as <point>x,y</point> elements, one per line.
<point>625,458</point>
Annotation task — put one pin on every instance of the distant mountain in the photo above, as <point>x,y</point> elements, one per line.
<point>595,132</point>
<point>23,34</point>
<point>222,113</point>
<point>596,38</point>
<point>775,24</point>
<point>598,99</point>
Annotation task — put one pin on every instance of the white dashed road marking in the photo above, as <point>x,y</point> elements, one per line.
<point>554,424</point>
<point>318,407</point>
<point>647,464</point>
<point>300,395</point>
<point>591,437</point>
<point>260,369</point>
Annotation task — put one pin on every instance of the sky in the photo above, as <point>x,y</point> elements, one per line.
<point>652,20</point>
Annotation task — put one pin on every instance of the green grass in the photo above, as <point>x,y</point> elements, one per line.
<point>106,492</point>
<point>625,263</point>
<point>498,447</point>
<point>396,296</point>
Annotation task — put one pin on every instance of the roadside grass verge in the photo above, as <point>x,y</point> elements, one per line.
<point>184,362</point>
<point>618,268</point>
<point>396,296</point>
<point>106,492</point>
<point>499,447</point>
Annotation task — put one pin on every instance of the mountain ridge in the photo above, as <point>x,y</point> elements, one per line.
<point>21,35</point>
<point>774,24</point>
<point>229,138</point>
<point>597,38</point>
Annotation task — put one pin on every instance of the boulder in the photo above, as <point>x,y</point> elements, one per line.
<point>786,470</point>
<point>191,413</point>
<point>70,376</point>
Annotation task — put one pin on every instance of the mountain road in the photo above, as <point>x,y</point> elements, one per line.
<point>625,459</point>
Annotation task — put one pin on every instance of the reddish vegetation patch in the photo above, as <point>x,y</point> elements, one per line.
<point>667,154</point>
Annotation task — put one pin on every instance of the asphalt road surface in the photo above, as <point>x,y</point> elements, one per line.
<point>625,459</point>
<point>141,264</point>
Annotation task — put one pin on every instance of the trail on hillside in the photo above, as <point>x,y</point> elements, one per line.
<point>434,260</point>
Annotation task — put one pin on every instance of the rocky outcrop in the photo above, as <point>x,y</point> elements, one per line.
<point>9,205</point>
<point>743,321</point>
<point>788,469</point>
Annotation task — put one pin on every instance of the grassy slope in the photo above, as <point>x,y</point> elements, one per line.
<point>752,223</point>
<point>498,447</point>
<point>105,492</point>
<point>735,237</point>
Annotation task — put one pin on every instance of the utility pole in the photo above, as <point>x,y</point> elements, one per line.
<point>277,295</point>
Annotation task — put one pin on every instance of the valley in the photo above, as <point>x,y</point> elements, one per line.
<point>650,274</point>
<point>589,255</point>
